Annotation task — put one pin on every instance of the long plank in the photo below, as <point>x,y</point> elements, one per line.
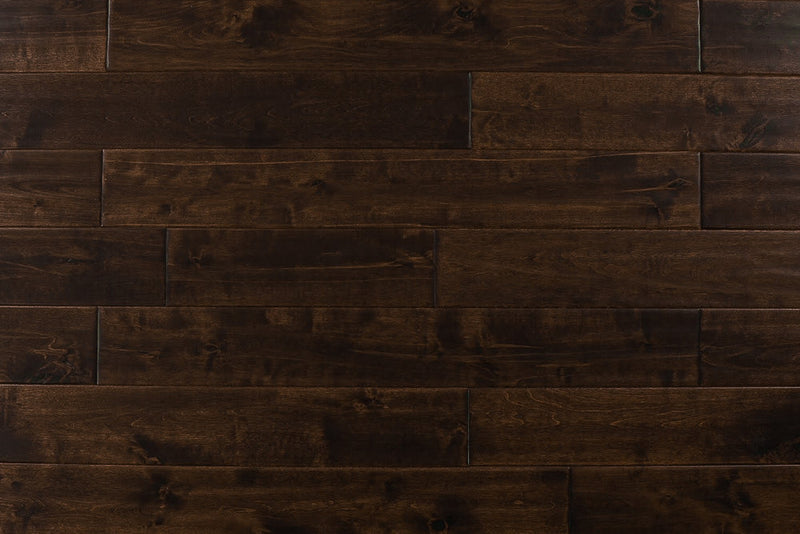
<point>635,112</point>
<point>408,34</point>
<point>48,345</point>
<point>397,347</point>
<point>677,500</point>
<point>233,426</point>
<point>82,266</point>
<point>51,35</point>
<point>623,268</point>
<point>385,187</point>
<point>665,426</point>
<point>184,500</point>
<point>368,267</point>
<point>234,109</point>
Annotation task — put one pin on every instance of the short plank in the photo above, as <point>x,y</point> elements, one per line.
<point>52,188</point>
<point>353,267</point>
<point>623,268</point>
<point>667,426</point>
<point>751,36</point>
<point>235,109</point>
<point>386,187</point>
<point>48,345</point>
<point>185,500</point>
<point>675,500</point>
<point>635,112</point>
<point>440,35</point>
<point>233,426</point>
<point>82,266</point>
<point>52,35</point>
<point>397,347</point>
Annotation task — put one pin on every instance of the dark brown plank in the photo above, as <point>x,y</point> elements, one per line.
<point>394,347</point>
<point>384,187</point>
<point>369,267</point>
<point>234,109</point>
<point>48,345</point>
<point>233,426</point>
<point>51,35</point>
<point>623,268</point>
<point>670,426</point>
<point>82,266</point>
<point>635,112</point>
<point>407,34</point>
<point>53,188</point>
<point>679,500</point>
<point>43,498</point>
<point>751,191</point>
<point>751,36</point>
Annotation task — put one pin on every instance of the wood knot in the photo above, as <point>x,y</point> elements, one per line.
<point>645,10</point>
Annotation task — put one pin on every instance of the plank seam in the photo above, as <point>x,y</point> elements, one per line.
<point>699,349</point>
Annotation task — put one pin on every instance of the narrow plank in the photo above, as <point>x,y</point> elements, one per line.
<point>623,268</point>
<point>369,267</point>
<point>233,426</point>
<point>751,36</point>
<point>47,35</point>
<point>235,109</point>
<point>48,345</point>
<point>667,426</point>
<point>757,191</point>
<point>76,267</point>
<point>397,347</point>
<point>52,188</point>
<point>677,500</point>
<point>386,187</point>
<point>409,34</point>
<point>635,112</point>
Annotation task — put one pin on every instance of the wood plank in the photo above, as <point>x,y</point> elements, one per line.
<point>369,267</point>
<point>751,36</point>
<point>759,191</point>
<point>635,112</point>
<point>397,347</point>
<point>76,267</point>
<point>235,109</point>
<point>438,35</point>
<point>233,426</point>
<point>622,268</point>
<point>384,187</point>
<point>52,188</point>
<point>668,426</point>
<point>47,35</point>
<point>48,345</point>
<point>677,500</point>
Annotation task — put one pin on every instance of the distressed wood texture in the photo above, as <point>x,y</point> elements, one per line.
<point>233,426</point>
<point>623,268</point>
<point>675,500</point>
<point>48,345</point>
<point>234,109</point>
<point>751,36</point>
<point>635,112</point>
<point>82,266</point>
<point>397,347</point>
<point>385,187</point>
<point>368,267</point>
<point>669,426</point>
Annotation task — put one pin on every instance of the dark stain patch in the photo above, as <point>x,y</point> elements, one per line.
<point>270,23</point>
<point>151,452</point>
<point>647,11</point>
<point>16,448</point>
<point>448,330</point>
<point>22,515</point>
<point>717,108</point>
<point>246,477</point>
<point>38,122</point>
<point>16,485</point>
<point>275,525</point>
<point>393,488</point>
<point>607,19</point>
<point>158,498</point>
<point>453,514</point>
<point>770,436</point>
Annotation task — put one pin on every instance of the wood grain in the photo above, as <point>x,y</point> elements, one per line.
<point>623,268</point>
<point>77,267</point>
<point>667,426</point>
<point>234,109</point>
<point>386,187</point>
<point>675,500</point>
<point>635,112</point>
<point>369,267</point>
<point>233,426</point>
